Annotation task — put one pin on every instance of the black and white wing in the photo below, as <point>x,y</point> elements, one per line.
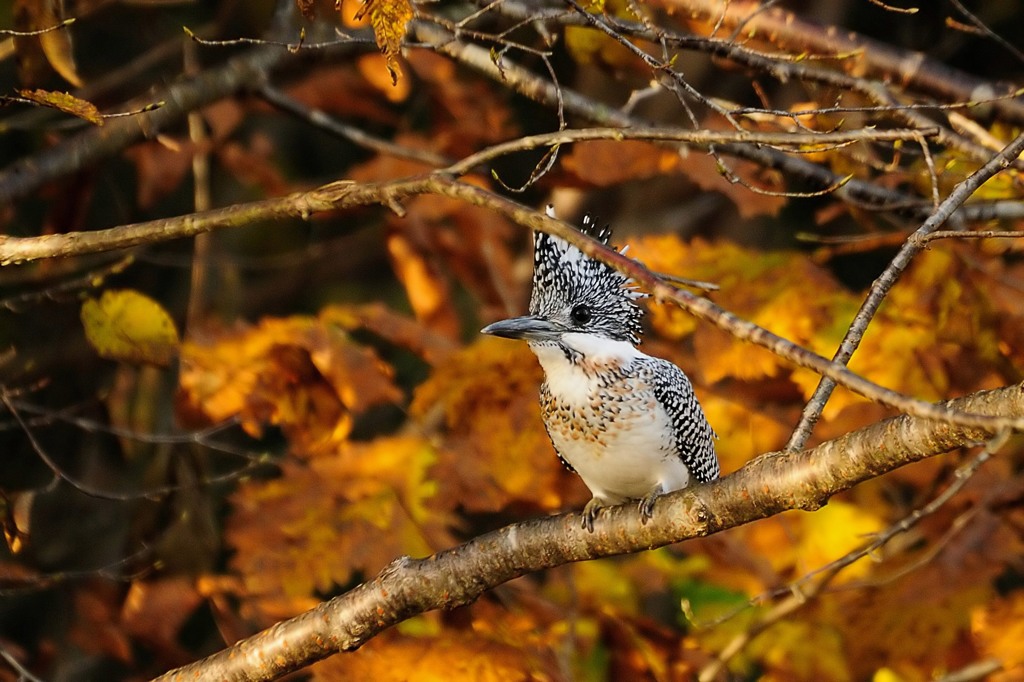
<point>694,437</point>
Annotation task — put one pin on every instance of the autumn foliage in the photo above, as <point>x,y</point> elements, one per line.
<point>200,441</point>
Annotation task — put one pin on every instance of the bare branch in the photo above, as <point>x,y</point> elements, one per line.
<point>785,29</point>
<point>884,283</point>
<point>342,195</point>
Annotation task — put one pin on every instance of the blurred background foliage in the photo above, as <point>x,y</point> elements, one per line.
<point>202,437</point>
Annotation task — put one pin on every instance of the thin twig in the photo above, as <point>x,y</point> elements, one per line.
<point>973,234</point>
<point>881,287</point>
<point>152,493</point>
<point>694,138</point>
<point>319,119</point>
<point>24,34</point>
<point>988,32</point>
<point>23,672</point>
<point>978,670</point>
<point>202,200</point>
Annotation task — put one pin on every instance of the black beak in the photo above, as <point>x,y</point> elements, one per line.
<point>529,328</point>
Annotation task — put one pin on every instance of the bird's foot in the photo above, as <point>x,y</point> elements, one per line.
<point>646,504</point>
<point>590,512</point>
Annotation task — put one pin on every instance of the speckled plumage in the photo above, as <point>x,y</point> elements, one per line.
<point>627,423</point>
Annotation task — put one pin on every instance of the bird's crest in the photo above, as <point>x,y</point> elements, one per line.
<point>564,278</point>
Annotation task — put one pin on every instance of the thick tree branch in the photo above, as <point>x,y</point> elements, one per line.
<point>768,485</point>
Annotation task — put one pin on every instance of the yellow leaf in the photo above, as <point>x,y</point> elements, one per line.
<point>65,102</point>
<point>769,288</point>
<point>799,650</point>
<point>831,533</point>
<point>57,48</point>
<point>129,326</point>
<point>55,45</point>
<point>390,21</point>
<point>589,45</point>
<point>887,675</point>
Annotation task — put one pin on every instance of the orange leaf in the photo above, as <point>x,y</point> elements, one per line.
<point>609,162</point>
<point>427,291</point>
<point>494,451</point>
<point>999,630</point>
<point>321,522</point>
<point>302,374</point>
<point>376,69</point>
<point>456,655</point>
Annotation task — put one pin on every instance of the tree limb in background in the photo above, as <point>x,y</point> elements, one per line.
<point>237,74</point>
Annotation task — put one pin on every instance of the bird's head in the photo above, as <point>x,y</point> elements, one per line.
<point>575,294</point>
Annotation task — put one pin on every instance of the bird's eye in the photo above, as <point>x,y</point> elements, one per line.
<point>580,315</point>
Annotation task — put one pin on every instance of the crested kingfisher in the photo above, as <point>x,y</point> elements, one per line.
<point>627,423</point>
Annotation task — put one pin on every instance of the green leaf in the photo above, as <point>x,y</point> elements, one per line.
<point>707,601</point>
<point>129,326</point>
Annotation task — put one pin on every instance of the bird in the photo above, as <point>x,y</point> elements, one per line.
<point>627,423</point>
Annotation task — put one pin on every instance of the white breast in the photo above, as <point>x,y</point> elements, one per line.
<point>605,421</point>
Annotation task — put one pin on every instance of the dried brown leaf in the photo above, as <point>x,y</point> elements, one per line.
<point>58,50</point>
<point>400,330</point>
<point>307,8</point>
<point>609,162</point>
